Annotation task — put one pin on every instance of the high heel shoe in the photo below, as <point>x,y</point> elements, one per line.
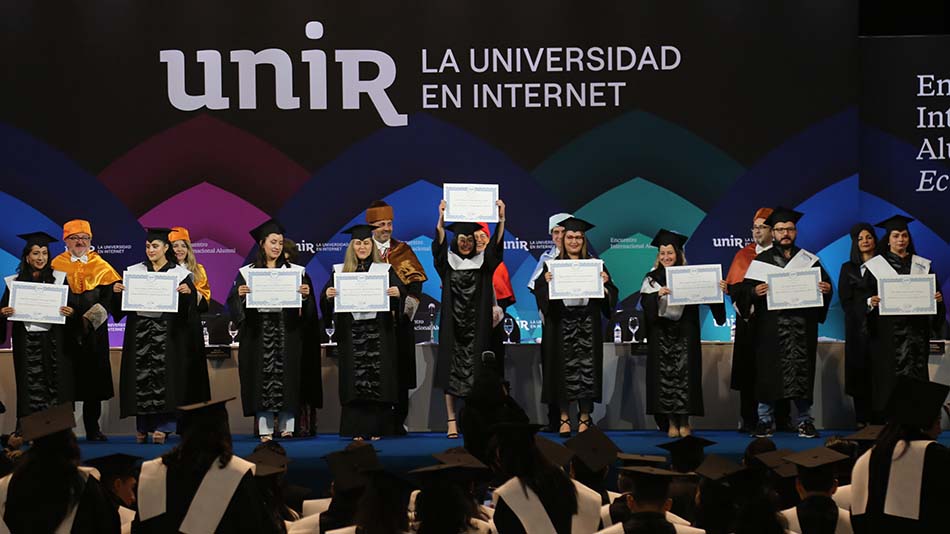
<point>158,438</point>
<point>565,433</point>
<point>452,434</point>
<point>587,422</point>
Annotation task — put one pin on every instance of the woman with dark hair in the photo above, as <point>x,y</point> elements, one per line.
<point>367,351</point>
<point>48,491</point>
<point>158,348</point>
<point>537,492</point>
<point>899,344</point>
<point>855,287</point>
<point>446,504</point>
<point>383,507</point>
<point>274,341</point>
<point>468,297</point>
<point>200,485</point>
<point>674,358</point>
<point>44,374</point>
<point>573,336</point>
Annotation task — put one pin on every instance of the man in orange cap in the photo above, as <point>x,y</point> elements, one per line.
<point>90,280</point>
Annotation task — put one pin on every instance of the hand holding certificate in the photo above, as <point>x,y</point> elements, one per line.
<point>361,292</point>
<point>145,291</point>
<point>794,289</point>
<point>694,284</point>
<point>274,288</point>
<point>911,294</point>
<point>470,202</point>
<point>38,303</point>
<point>575,279</point>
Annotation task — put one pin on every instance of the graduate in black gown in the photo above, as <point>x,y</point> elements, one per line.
<point>902,484</point>
<point>158,348</point>
<point>899,344</point>
<point>573,336</point>
<point>465,324</point>
<point>44,373</point>
<point>367,352</point>
<point>48,491</point>
<point>273,342</point>
<point>786,341</point>
<point>855,286</point>
<point>200,485</point>
<point>675,354</point>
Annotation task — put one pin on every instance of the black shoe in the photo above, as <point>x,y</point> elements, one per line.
<point>96,436</point>
<point>763,430</point>
<point>807,430</point>
<point>400,430</point>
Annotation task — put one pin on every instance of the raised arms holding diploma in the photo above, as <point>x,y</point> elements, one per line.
<point>471,202</point>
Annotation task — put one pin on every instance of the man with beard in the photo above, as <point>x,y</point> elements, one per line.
<point>411,273</point>
<point>785,341</point>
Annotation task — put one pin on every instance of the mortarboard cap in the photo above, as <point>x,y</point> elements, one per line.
<point>593,448</point>
<point>209,405</point>
<point>202,413</point>
<point>360,231</point>
<point>868,433</point>
<point>916,402</point>
<point>268,456</point>
<point>49,421</point>
<point>555,453</point>
<point>666,237</point>
<point>267,464</point>
<point>349,466</point>
<point>115,465</point>
<point>783,214</point>
<point>460,457</point>
<point>630,460</point>
<point>716,467</point>
<point>896,222</point>
<point>689,444</point>
<point>775,461</point>
<point>268,227</point>
<point>463,228</point>
<point>555,220</point>
<point>814,458</point>
<point>158,234</point>
<point>452,472</point>
<point>41,239</point>
<point>573,224</point>
<point>645,470</point>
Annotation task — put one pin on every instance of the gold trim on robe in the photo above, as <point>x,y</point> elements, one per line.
<point>83,277</point>
<point>201,282</point>
<point>405,263</point>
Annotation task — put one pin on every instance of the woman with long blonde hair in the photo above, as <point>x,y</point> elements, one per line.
<point>185,255</point>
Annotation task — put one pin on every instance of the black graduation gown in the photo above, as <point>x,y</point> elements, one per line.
<point>934,496</point>
<point>648,523</point>
<point>573,344</point>
<point>43,371</point>
<point>94,514</point>
<point>368,355</point>
<point>506,522</point>
<point>674,352</point>
<point>272,346</point>
<point>157,355</point>
<point>742,376</point>
<point>245,513</point>
<point>854,290</point>
<point>786,341</point>
<point>900,344</point>
<point>465,322</point>
<point>90,349</point>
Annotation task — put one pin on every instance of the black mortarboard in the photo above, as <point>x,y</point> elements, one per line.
<point>895,222</point>
<point>271,226</point>
<point>37,238</point>
<point>916,402</point>
<point>349,466</point>
<point>452,472</point>
<point>783,214</point>
<point>593,448</point>
<point>268,456</point>
<point>775,460</point>
<point>360,231</point>
<point>666,237</point>
<point>463,228</point>
<point>686,452</point>
<point>158,234</point>
<point>49,421</point>
<point>716,467</point>
<point>115,465</point>
<point>264,469</point>
<point>460,457</point>
<point>210,412</point>
<point>868,433</point>
<point>573,224</point>
<point>206,406</point>
<point>630,460</point>
<point>645,470</point>
<point>555,453</point>
<point>815,458</point>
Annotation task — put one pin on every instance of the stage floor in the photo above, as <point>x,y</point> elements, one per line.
<point>401,454</point>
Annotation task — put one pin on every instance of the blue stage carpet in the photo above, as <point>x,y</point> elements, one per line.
<point>401,454</point>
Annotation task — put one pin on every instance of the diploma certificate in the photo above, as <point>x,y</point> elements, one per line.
<point>575,279</point>
<point>38,303</point>
<point>694,284</point>
<point>911,294</point>
<point>150,292</point>
<point>470,202</point>
<point>794,289</point>
<point>274,288</point>
<point>361,292</point>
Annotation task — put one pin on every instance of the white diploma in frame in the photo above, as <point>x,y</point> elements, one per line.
<point>470,202</point>
<point>910,294</point>
<point>150,292</point>
<point>694,284</point>
<point>794,289</point>
<point>361,292</point>
<point>575,279</point>
<point>274,288</point>
<point>38,303</point>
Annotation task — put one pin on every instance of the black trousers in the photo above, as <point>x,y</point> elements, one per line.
<point>91,411</point>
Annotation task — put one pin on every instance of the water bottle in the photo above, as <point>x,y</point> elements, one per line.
<point>207,336</point>
<point>618,333</point>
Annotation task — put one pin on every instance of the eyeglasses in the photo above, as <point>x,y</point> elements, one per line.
<point>784,230</point>
<point>760,227</point>
<point>78,238</point>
